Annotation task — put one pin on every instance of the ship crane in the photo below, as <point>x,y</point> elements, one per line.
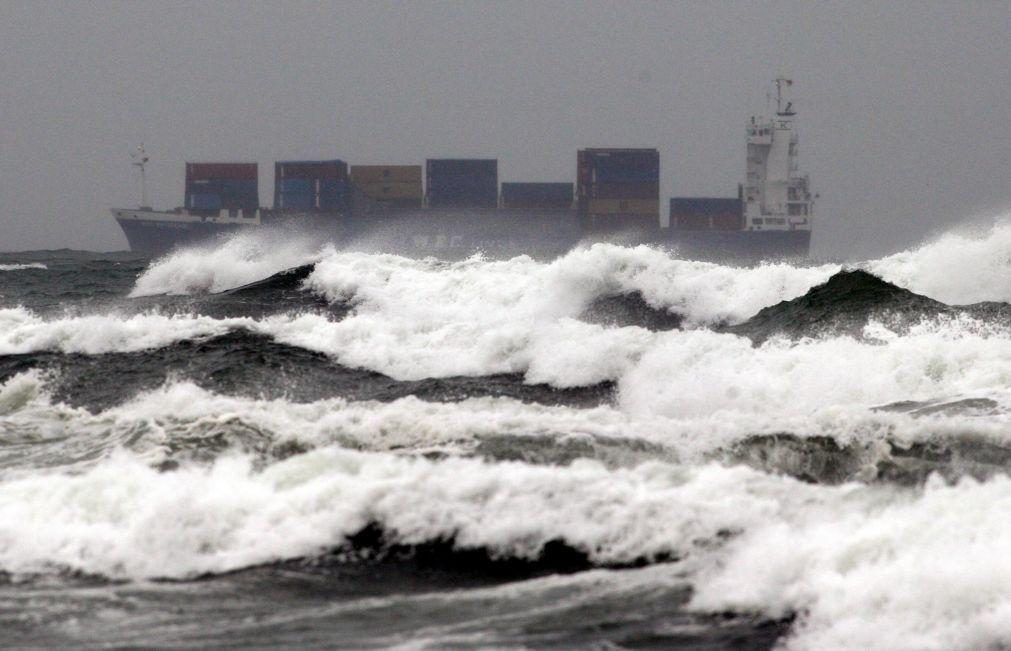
<point>139,159</point>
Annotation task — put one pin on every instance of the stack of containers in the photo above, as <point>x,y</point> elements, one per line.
<point>706,214</point>
<point>316,186</point>
<point>217,186</point>
<point>389,186</point>
<point>462,183</point>
<point>619,188</point>
<point>537,196</point>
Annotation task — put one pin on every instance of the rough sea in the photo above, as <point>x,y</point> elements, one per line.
<point>270,443</point>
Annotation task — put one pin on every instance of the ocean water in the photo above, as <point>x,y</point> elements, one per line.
<point>263,442</point>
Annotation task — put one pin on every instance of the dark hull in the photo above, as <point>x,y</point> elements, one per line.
<point>458,235</point>
<point>737,246</point>
<point>157,237</point>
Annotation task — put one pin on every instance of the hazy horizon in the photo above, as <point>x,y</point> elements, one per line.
<point>902,107</point>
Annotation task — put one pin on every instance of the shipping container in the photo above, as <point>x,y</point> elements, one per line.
<point>617,174</point>
<point>462,182</point>
<point>310,169</point>
<point>203,201</point>
<point>215,186</point>
<point>311,185</point>
<point>296,185</point>
<point>439,169</point>
<point>205,171</point>
<point>334,195</point>
<point>623,206</point>
<point>391,190</point>
<point>296,201</point>
<point>367,174</point>
<point>462,198</point>
<point>537,195</point>
<point>614,171</point>
<point>706,213</point>
<point>650,190</point>
<point>225,196</point>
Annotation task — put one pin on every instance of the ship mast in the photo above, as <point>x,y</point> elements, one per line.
<point>140,159</point>
<point>780,82</point>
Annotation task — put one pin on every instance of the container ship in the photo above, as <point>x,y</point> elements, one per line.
<point>453,208</point>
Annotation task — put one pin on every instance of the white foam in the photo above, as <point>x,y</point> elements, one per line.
<point>121,518</point>
<point>22,267</point>
<point>418,319</point>
<point>156,424</point>
<point>701,372</point>
<point>523,289</point>
<point>22,331</point>
<point>693,373</point>
<point>865,566</point>
<point>240,260</point>
<point>957,268</point>
<point>878,568</point>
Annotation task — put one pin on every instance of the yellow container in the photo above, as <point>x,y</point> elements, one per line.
<point>391,190</point>
<point>361,174</point>
<point>624,207</point>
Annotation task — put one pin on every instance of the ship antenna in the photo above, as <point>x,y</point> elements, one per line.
<point>140,159</point>
<point>780,81</point>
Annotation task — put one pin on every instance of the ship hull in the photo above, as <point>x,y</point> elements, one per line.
<point>458,235</point>
<point>738,247</point>
<point>154,233</point>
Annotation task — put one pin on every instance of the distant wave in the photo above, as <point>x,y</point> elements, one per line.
<point>956,268</point>
<point>21,267</point>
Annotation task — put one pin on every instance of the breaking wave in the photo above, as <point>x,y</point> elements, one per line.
<point>747,541</point>
<point>242,259</point>
<point>957,268</point>
<point>825,447</point>
<point>180,422</point>
<point>22,267</point>
<point>693,372</point>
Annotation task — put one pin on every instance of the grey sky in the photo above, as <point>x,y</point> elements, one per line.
<point>903,107</point>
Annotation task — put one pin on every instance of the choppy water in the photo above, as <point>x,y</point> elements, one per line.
<point>265,442</point>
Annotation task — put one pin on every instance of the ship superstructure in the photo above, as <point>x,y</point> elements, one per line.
<point>776,196</point>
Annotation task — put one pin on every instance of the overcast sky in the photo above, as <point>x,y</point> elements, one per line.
<point>903,107</point>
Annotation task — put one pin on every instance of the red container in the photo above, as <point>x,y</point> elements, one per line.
<point>206,171</point>
<point>327,169</point>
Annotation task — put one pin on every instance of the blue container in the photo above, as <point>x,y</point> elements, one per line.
<point>239,193</point>
<point>297,200</point>
<point>478,197</point>
<point>311,194</point>
<point>462,174</point>
<point>537,194</point>
<point>305,186</point>
<point>204,201</point>
<point>333,194</point>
